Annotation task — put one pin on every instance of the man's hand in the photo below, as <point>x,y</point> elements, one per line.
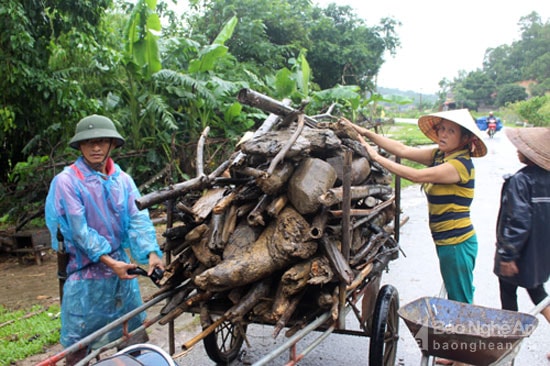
<point>120,268</point>
<point>154,262</point>
<point>508,269</point>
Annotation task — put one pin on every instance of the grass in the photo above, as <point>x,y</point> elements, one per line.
<point>26,332</point>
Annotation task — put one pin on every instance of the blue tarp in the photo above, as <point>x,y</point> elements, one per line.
<point>482,123</point>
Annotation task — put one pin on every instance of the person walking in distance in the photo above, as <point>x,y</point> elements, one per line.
<point>92,204</point>
<point>522,257</point>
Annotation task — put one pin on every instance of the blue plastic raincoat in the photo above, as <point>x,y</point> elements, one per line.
<point>97,215</point>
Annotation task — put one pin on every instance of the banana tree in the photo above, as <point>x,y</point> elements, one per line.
<point>203,90</point>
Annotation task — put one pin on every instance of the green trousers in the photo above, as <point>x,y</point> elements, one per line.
<point>456,263</point>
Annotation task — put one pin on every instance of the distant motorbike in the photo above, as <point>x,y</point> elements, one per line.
<point>491,127</point>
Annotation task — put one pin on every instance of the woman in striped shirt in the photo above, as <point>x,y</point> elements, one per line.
<point>448,181</point>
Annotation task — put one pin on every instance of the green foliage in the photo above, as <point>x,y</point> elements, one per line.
<point>348,100</point>
<point>33,94</point>
<point>535,111</point>
<point>27,332</point>
<point>341,48</point>
<point>509,94</point>
<point>474,89</point>
<point>268,32</point>
<point>7,119</point>
<point>345,50</point>
<point>143,33</point>
<point>294,83</point>
<point>505,67</point>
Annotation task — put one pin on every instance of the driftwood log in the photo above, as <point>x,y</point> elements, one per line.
<point>287,227</point>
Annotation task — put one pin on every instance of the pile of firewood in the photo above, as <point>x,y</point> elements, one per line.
<point>294,217</point>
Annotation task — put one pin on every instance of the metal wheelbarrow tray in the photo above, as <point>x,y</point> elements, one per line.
<point>463,332</point>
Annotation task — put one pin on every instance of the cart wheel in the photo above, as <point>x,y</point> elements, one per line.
<point>385,328</point>
<point>224,343</point>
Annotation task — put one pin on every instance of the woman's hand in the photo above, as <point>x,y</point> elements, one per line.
<point>373,153</point>
<point>350,125</point>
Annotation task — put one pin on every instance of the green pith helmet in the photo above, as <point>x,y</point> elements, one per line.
<point>95,127</point>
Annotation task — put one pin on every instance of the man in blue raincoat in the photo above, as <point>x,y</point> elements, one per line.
<point>92,203</point>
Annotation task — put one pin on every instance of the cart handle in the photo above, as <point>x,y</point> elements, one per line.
<point>540,306</point>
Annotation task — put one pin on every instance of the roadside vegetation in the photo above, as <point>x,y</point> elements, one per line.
<point>27,332</point>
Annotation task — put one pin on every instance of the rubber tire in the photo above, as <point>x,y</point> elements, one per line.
<point>224,343</point>
<point>385,328</point>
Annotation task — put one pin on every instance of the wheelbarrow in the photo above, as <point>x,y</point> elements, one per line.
<point>468,333</point>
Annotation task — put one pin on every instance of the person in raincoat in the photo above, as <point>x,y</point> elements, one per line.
<point>522,257</point>
<point>92,204</point>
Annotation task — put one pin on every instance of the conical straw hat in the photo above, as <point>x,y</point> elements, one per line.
<point>461,117</point>
<point>533,143</point>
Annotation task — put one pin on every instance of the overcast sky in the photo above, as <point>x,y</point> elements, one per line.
<point>439,38</point>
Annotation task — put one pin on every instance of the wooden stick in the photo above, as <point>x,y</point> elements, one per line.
<point>229,224</point>
<point>318,224</point>
<point>26,316</point>
<point>199,337</point>
<point>277,205</point>
<point>258,291</point>
<point>173,314</point>
<point>245,209</point>
<point>267,125</point>
<point>267,104</point>
<point>281,154</point>
<point>255,217</point>
<point>252,172</point>
<point>360,277</point>
<point>183,208</point>
<point>179,189</point>
<point>292,305</point>
<point>200,152</point>
<point>337,261</point>
<point>366,212</point>
<point>335,195</point>
<point>222,204</point>
<point>215,243</point>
